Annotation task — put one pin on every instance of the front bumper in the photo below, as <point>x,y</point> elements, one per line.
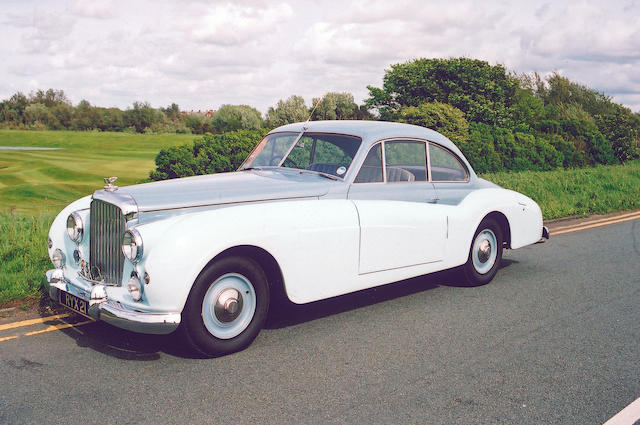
<point>113,312</point>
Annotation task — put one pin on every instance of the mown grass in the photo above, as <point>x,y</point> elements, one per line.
<point>38,181</point>
<point>36,185</point>
<point>577,192</point>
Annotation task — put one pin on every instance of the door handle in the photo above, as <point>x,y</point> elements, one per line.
<point>434,200</point>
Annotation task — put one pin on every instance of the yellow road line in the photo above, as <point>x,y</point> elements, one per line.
<point>7,338</point>
<point>591,226</point>
<point>32,321</point>
<point>633,214</point>
<point>58,327</point>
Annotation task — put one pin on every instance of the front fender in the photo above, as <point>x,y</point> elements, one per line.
<point>58,229</point>
<point>293,232</point>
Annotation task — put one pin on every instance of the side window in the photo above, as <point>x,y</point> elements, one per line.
<point>445,166</point>
<point>371,170</point>
<point>405,160</point>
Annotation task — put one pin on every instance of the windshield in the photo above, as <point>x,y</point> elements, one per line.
<point>320,152</point>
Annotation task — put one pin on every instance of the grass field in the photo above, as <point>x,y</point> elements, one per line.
<point>36,185</point>
<point>577,192</point>
<point>38,181</point>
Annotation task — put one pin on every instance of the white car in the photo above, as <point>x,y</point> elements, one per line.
<point>319,209</point>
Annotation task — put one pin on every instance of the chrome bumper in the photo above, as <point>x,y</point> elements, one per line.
<point>112,312</point>
<point>545,235</point>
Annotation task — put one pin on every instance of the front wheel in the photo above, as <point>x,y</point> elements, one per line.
<point>485,253</point>
<point>227,307</point>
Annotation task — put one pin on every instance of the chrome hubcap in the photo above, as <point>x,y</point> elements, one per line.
<point>228,306</point>
<point>484,251</point>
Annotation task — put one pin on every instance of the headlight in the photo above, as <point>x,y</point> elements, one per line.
<point>58,259</point>
<point>75,227</point>
<point>132,245</point>
<point>134,287</point>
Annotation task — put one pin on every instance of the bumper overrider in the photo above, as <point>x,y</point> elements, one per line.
<point>97,306</point>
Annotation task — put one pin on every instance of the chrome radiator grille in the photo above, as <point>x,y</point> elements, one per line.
<point>107,225</point>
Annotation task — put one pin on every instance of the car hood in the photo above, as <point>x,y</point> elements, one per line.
<point>226,188</point>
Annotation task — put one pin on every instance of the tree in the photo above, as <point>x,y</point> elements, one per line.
<point>527,108</point>
<point>561,91</point>
<point>142,116</point>
<point>49,98</point>
<point>36,113</point>
<point>482,91</point>
<point>287,111</point>
<point>63,113</point>
<point>16,106</point>
<point>85,116</point>
<point>172,112</point>
<point>335,106</point>
<point>441,117</point>
<point>111,119</point>
<point>237,117</point>
<point>621,127</point>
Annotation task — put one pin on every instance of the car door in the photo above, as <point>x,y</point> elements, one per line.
<point>399,225</point>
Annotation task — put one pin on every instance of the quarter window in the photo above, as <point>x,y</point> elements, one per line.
<point>445,166</point>
<point>405,160</point>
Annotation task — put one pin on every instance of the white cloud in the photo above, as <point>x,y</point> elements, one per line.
<point>202,54</point>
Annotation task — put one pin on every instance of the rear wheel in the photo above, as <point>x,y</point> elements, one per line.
<point>485,253</point>
<point>227,307</point>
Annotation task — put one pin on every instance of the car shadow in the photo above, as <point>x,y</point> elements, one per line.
<point>283,313</point>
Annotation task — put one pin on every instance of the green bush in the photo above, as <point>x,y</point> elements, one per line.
<point>443,118</point>
<point>599,148</point>
<point>212,153</point>
<point>480,149</point>
<point>571,156</point>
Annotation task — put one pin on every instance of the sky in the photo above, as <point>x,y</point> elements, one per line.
<point>203,54</point>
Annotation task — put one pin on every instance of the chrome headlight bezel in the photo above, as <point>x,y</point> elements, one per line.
<point>132,246</point>
<point>134,287</point>
<point>58,259</point>
<point>75,227</point>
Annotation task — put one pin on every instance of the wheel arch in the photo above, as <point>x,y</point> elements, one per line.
<point>262,257</point>
<point>503,222</point>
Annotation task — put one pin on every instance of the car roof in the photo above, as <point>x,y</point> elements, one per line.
<point>370,131</point>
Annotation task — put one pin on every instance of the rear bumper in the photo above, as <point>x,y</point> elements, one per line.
<point>545,232</point>
<point>113,312</point>
<point>545,235</point>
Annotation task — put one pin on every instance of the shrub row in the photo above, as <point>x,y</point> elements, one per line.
<point>491,149</point>
<point>212,153</point>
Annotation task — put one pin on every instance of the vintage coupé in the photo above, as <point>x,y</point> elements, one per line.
<point>318,209</point>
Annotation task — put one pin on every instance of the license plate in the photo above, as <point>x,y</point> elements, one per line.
<point>74,303</point>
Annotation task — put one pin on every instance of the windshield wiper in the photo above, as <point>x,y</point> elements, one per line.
<point>320,173</point>
<point>250,168</point>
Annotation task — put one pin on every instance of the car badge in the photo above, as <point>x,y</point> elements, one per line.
<point>110,187</point>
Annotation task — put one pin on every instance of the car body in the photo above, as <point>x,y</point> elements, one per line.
<point>319,209</point>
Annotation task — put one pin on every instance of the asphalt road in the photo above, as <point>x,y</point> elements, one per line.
<point>553,339</point>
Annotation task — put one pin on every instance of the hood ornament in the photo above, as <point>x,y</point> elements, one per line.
<point>110,187</point>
